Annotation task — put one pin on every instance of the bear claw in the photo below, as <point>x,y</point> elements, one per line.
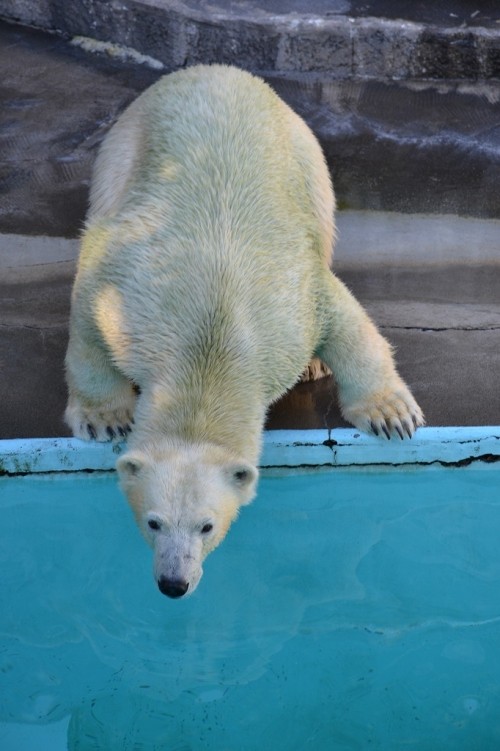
<point>389,412</point>
<point>408,430</point>
<point>96,426</point>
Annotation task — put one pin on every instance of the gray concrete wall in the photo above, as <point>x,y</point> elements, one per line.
<point>252,35</point>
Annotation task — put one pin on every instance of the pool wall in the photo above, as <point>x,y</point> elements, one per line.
<point>281,448</point>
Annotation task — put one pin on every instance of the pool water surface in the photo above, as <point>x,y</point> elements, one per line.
<point>347,610</point>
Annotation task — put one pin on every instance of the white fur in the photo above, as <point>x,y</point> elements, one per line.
<point>203,485</point>
<point>204,280</point>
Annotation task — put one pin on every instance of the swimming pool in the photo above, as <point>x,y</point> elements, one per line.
<point>350,607</point>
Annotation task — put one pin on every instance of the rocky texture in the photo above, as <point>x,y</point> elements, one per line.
<point>378,39</point>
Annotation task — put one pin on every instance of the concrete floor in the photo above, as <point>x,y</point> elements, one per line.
<point>414,154</point>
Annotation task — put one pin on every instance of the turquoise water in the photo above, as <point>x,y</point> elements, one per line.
<point>346,610</point>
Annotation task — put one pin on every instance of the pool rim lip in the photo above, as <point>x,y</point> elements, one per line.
<point>340,447</point>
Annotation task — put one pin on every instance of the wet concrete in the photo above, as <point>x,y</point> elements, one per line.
<point>57,102</point>
<point>403,146</point>
<point>431,282</point>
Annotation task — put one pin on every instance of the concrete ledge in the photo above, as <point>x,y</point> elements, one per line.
<point>378,238</point>
<point>342,447</point>
<point>252,35</point>
<point>365,238</point>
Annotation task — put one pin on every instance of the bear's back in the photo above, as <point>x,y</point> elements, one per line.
<point>214,228</point>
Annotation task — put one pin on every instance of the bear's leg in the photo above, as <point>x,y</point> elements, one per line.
<point>373,397</point>
<point>101,400</point>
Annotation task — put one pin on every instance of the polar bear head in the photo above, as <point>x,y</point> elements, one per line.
<point>184,499</point>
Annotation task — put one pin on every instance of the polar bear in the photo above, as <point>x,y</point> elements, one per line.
<point>203,291</point>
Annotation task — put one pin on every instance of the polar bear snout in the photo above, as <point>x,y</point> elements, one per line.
<point>172,587</point>
<point>177,565</point>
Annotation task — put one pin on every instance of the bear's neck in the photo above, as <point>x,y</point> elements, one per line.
<point>229,417</point>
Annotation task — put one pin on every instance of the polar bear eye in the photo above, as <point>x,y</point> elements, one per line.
<point>153,524</point>
<point>241,475</point>
<point>207,528</point>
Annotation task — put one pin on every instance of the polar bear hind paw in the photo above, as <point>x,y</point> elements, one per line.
<point>386,413</point>
<point>99,424</point>
<point>314,371</point>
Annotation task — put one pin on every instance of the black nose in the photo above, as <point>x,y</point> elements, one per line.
<point>172,587</point>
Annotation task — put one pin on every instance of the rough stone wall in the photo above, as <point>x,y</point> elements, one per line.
<point>178,34</point>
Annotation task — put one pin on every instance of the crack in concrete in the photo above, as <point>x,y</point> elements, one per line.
<point>483,458</point>
<point>33,328</point>
<point>442,328</point>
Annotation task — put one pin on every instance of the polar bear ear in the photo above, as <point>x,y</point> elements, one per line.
<point>243,478</point>
<point>131,464</point>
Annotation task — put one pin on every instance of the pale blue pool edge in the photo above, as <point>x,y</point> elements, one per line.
<point>341,447</point>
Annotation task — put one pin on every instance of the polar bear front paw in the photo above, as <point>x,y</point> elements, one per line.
<point>99,424</point>
<point>388,412</point>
